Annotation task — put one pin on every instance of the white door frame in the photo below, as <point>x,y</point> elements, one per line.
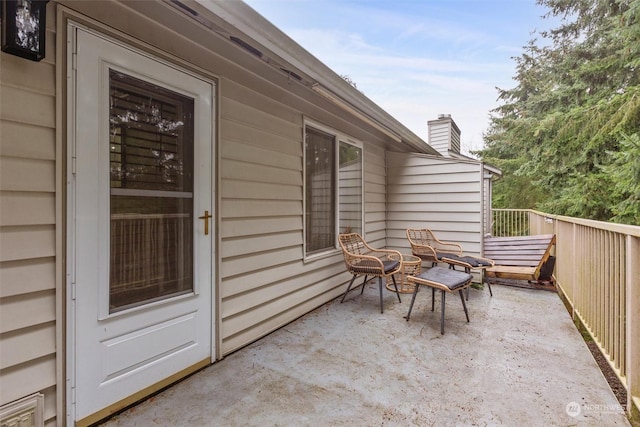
<point>71,207</point>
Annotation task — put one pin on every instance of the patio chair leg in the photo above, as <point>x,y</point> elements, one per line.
<point>483,279</point>
<point>349,287</point>
<point>413,298</point>
<point>363,283</point>
<point>466,313</point>
<point>442,313</point>
<point>433,299</point>
<point>380,286</point>
<point>395,285</point>
<point>468,271</point>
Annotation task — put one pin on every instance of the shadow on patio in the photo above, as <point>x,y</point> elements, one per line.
<point>519,362</point>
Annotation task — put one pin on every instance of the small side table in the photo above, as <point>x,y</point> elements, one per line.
<point>411,266</point>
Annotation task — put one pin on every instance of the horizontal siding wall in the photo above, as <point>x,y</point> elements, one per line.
<point>442,194</point>
<point>487,188</point>
<point>27,226</point>
<point>375,195</point>
<point>264,281</point>
<point>439,136</point>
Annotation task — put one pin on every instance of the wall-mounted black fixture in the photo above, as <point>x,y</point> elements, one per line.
<point>24,28</point>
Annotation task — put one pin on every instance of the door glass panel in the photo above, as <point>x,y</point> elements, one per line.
<point>151,167</point>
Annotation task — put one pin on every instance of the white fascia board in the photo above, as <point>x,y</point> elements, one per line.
<point>466,159</point>
<point>492,169</point>
<point>247,21</point>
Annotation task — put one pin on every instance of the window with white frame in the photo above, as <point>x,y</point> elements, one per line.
<point>333,188</point>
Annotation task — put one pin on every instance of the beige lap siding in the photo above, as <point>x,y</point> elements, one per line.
<point>265,282</point>
<point>441,194</point>
<point>28,226</point>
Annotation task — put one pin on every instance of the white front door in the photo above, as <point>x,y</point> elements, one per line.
<point>140,227</point>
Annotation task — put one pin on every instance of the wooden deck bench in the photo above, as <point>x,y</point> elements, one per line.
<point>519,258</point>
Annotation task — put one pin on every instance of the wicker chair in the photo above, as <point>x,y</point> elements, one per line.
<point>426,246</point>
<point>362,259</point>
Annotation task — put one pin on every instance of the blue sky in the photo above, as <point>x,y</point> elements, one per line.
<point>416,58</point>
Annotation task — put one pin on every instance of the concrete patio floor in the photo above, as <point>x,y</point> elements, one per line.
<point>519,362</point>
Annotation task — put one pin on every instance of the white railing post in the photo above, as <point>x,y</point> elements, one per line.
<point>633,326</point>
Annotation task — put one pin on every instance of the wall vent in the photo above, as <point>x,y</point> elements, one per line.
<point>246,46</point>
<point>26,412</point>
<point>184,7</point>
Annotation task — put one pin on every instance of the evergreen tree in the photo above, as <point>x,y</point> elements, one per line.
<point>567,135</point>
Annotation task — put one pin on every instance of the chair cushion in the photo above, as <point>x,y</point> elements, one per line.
<point>474,262</point>
<point>452,279</point>
<point>390,265</point>
<point>371,267</point>
<point>449,255</point>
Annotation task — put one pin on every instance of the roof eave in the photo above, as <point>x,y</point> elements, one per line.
<point>277,44</point>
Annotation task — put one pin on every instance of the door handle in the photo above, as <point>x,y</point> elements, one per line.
<point>206,217</point>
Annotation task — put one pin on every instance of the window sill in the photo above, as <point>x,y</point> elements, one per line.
<point>322,255</point>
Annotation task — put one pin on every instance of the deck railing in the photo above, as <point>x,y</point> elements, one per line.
<point>597,272</point>
<point>510,222</point>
